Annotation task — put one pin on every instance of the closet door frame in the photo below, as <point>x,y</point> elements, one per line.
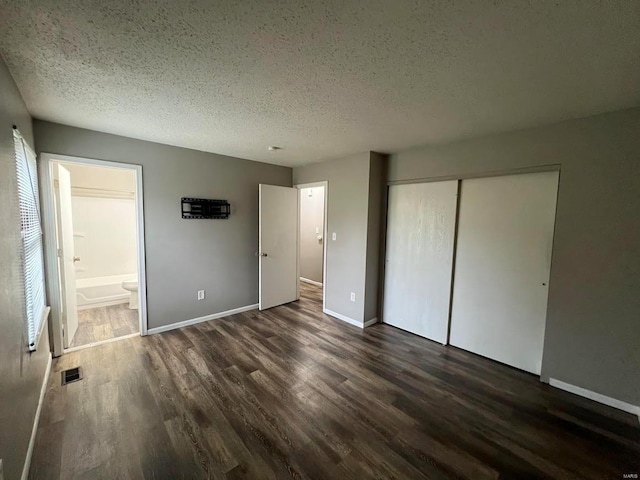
<point>459,177</point>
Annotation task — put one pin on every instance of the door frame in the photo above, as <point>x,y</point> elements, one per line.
<point>325,240</point>
<point>51,257</point>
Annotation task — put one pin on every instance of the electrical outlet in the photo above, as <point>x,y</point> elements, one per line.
<point>200,294</point>
<point>333,236</point>
<point>353,296</point>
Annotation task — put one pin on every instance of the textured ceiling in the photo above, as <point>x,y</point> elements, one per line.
<point>319,78</point>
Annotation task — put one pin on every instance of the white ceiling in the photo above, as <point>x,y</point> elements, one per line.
<point>319,78</point>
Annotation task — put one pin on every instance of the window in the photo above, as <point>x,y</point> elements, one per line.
<point>32,258</point>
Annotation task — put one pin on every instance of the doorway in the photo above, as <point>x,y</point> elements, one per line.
<point>312,226</point>
<point>95,251</point>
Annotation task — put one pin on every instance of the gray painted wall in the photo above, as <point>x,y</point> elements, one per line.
<point>311,219</point>
<point>353,213</point>
<point>21,373</point>
<point>593,318</point>
<point>377,216</point>
<point>184,256</point>
<point>347,211</point>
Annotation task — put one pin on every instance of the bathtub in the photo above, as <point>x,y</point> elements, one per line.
<point>102,291</point>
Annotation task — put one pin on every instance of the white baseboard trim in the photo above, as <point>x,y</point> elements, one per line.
<point>597,397</point>
<point>36,421</point>
<point>206,318</point>
<point>351,321</point>
<point>368,323</point>
<point>344,318</point>
<point>312,282</point>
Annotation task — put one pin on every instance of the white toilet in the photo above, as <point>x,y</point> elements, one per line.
<point>132,287</point>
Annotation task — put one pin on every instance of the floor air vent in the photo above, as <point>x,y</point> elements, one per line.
<point>71,375</point>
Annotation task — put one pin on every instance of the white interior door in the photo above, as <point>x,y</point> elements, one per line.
<point>419,260</point>
<point>279,275</point>
<point>503,261</point>
<point>66,253</point>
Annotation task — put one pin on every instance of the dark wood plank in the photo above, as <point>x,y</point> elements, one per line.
<point>293,393</point>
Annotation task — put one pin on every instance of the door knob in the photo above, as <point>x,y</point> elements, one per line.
<point>263,254</point>
<point>76,259</point>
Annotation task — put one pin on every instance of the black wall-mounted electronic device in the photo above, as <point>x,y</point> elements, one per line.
<point>203,208</point>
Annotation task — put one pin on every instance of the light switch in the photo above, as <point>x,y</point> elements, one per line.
<point>317,229</point>
<point>333,236</point>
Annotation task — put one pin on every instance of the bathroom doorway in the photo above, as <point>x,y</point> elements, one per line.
<point>95,251</point>
<point>312,243</point>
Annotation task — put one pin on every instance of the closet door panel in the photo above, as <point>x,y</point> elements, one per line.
<point>420,239</point>
<point>503,261</point>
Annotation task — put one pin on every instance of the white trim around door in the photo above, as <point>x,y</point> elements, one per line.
<point>51,255</point>
<point>324,184</point>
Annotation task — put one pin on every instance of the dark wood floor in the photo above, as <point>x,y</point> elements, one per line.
<point>293,393</point>
<point>105,323</point>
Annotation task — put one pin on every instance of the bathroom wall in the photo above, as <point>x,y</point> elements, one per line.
<point>311,227</point>
<point>92,177</point>
<point>104,236</point>
<point>104,221</point>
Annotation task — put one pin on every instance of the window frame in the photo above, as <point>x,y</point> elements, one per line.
<point>35,306</point>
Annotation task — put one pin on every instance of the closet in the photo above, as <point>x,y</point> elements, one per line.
<point>492,300</point>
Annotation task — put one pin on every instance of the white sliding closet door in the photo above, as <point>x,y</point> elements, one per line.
<point>503,261</point>
<point>420,234</point>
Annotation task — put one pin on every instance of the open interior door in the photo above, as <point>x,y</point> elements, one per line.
<point>278,246</point>
<point>66,251</point>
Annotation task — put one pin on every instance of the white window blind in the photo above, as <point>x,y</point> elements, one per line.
<point>33,270</point>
